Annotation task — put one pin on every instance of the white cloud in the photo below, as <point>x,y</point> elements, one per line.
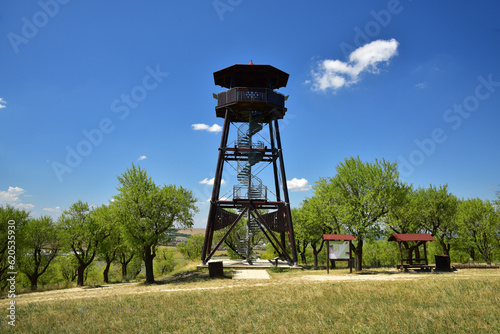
<point>421,85</point>
<point>211,181</point>
<point>2,103</point>
<point>24,206</point>
<point>334,74</point>
<point>56,209</point>
<point>201,126</point>
<point>11,197</point>
<point>298,184</point>
<point>142,157</point>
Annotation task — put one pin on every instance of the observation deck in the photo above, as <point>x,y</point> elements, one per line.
<point>244,99</point>
<point>251,88</point>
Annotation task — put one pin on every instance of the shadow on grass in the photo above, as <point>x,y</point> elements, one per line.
<point>192,276</point>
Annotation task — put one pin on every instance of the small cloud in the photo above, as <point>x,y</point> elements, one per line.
<point>142,157</point>
<point>56,209</point>
<point>211,181</point>
<point>335,74</point>
<point>11,197</point>
<point>2,103</point>
<point>201,126</point>
<point>24,206</point>
<point>298,184</point>
<point>421,85</point>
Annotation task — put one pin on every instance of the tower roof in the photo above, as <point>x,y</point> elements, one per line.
<point>265,76</point>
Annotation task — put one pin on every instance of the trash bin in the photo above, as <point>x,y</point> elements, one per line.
<point>215,269</point>
<point>442,262</point>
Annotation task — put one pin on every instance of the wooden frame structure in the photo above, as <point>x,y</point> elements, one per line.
<point>338,237</point>
<point>412,262</point>
<point>251,102</point>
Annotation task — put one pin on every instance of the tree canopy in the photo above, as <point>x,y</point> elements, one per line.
<point>82,234</point>
<point>147,212</point>
<point>361,194</point>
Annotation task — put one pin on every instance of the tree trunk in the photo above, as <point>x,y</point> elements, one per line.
<point>105,273</point>
<point>486,257</point>
<point>484,253</point>
<point>148,262</point>
<point>124,270</point>
<point>358,254</point>
<point>315,254</point>
<point>472,254</point>
<point>34,282</point>
<point>81,272</point>
<point>303,258</point>
<point>417,253</point>
<point>124,262</point>
<point>409,254</point>
<point>445,247</point>
<point>302,252</point>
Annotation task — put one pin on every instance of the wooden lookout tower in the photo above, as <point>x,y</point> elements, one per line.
<point>250,104</point>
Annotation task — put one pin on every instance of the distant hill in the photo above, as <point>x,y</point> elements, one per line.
<point>192,231</point>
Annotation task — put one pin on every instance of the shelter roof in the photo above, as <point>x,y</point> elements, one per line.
<point>239,75</point>
<point>341,237</point>
<point>411,237</point>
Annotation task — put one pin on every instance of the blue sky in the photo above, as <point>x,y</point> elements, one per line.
<point>116,83</point>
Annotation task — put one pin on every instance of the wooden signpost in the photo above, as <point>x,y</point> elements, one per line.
<point>340,249</point>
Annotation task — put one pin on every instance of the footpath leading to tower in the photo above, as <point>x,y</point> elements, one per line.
<point>256,264</point>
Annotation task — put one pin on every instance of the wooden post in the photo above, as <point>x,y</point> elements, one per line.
<point>401,254</point>
<point>425,254</point>
<point>327,256</point>
<point>350,256</point>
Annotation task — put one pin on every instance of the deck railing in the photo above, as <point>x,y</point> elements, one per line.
<point>251,95</point>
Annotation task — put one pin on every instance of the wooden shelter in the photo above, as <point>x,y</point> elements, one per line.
<point>338,253</point>
<point>409,261</point>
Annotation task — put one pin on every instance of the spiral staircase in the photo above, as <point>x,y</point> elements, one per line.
<point>250,187</point>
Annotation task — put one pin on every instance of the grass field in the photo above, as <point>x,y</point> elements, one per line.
<point>192,231</point>
<point>465,301</point>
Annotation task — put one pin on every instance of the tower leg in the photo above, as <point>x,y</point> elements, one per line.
<point>207,244</point>
<point>288,215</point>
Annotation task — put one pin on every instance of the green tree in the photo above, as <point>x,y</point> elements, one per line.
<point>478,225</point>
<point>299,228</point>
<point>362,194</point>
<point>40,244</point>
<point>148,212</point>
<point>68,267</point>
<point>407,218</point>
<point>10,220</point>
<point>107,218</point>
<point>191,249</point>
<point>125,255</point>
<point>315,219</point>
<point>82,234</point>
<point>165,261</point>
<point>437,209</point>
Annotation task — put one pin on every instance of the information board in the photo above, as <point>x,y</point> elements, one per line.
<point>338,250</point>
